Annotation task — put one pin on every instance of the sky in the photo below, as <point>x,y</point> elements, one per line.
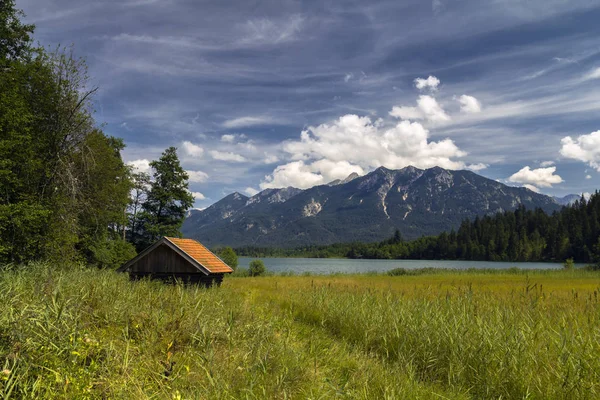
<point>262,94</point>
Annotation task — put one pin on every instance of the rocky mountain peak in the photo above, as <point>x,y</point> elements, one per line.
<point>238,196</point>
<point>349,178</point>
<point>436,170</point>
<point>283,195</point>
<point>382,170</point>
<point>235,196</point>
<point>439,175</point>
<point>410,170</point>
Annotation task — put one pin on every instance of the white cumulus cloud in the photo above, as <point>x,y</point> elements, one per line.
<point>296,174</point>
<point>305,175</point>
<point>198,196</point>
<point>588,177</point>
<point>540,177</point>
<point>477,167</point>
<point>250,191</point>
<point>430,83</point>
<point>585,148</point>
<point>433,111</point>
<point>228,138</point>
<point>141,165</point>
<point>197,176</point>
<point>404,112</point>
<point>531,187</point>
<point>469,104</point>
<point>231,138</point>
<point>547,163</point>
<point>227,156</point>
<point>270,159</point>
<point>427,109</point>
<point>192,149</point>
<point>332,170</point>
<point>357,144</point>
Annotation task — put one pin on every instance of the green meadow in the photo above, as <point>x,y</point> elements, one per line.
<point>75,332</point>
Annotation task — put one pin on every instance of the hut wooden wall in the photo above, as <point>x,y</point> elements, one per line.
<point>163,260</point>
<point>199,278</point>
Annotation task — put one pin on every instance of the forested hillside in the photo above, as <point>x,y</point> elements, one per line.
<point>523,235</point>
<point>520,235</point>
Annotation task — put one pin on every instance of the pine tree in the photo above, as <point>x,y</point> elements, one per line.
<point>168,199</point>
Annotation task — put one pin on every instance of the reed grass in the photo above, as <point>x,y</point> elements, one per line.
<point>75,332</point>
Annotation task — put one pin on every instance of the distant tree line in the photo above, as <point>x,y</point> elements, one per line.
<point>520,235</point>
<point>64,188</point>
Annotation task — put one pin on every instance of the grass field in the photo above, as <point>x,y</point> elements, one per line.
<point>84,333</point>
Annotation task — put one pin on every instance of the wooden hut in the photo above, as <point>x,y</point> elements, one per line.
<point>174,258</point>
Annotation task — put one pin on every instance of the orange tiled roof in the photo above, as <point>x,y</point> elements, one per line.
<point>201,254</point>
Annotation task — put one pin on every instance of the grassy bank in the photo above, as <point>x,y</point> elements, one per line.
<point>77,333</point>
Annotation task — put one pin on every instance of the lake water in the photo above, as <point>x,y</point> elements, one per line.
<point>333,265</point>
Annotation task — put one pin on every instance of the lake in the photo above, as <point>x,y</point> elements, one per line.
<point>333,265</point>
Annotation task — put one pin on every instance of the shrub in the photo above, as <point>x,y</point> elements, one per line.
<point>569,264</point>
<point>257,268</point>
<point>111,253</point>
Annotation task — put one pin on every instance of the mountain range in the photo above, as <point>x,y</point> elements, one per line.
<point>570,199</point>
<point>359,208</point>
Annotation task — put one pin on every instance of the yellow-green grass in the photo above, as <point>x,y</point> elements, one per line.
<point>82,333</point>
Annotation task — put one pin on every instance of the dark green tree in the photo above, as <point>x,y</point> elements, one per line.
<point>257,268</point>
<point>229,257</point>
<point>168,199</point>
<point>15,37</point>
<point>106,185</point>
<point>62,181</point>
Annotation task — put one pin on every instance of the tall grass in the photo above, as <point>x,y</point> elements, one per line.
<point>82,333</point>
<point>524,345</point>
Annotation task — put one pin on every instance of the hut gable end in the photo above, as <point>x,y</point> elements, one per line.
<point>163,260</point>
